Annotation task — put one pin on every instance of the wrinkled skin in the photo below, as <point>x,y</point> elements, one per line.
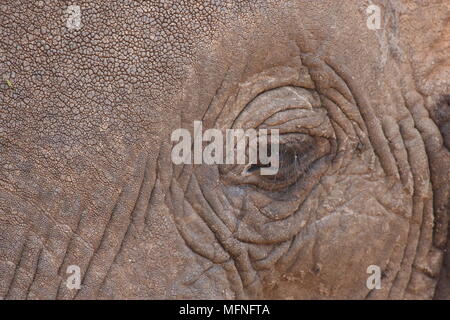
<point>86,176</point>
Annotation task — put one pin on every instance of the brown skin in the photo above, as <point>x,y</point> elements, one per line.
<point>86,176</point>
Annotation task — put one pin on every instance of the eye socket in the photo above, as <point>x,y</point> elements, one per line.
<point>306,135</point>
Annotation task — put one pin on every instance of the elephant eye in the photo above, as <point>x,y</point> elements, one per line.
<point>296,157</point>
<point>293,160</point>
<point>306,137</point>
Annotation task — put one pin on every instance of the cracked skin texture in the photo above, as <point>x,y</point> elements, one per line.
<point>86,177</point>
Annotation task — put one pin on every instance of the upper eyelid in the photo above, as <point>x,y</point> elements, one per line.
<point>273,101</point>
<point>289,109</point>
<point>267,80</point>
<point>312,118</point>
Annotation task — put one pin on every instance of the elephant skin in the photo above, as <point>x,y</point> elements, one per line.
<point>87,180</point>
